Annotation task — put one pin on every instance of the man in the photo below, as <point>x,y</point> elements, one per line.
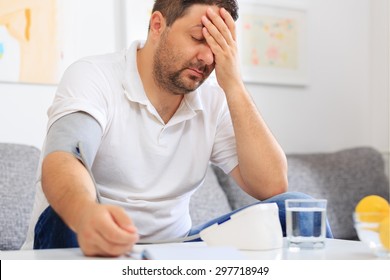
<point>149,122</point>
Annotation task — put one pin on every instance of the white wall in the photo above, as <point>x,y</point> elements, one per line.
<point>345,104</point>
<point>380,74</point>
<point>23,113</point>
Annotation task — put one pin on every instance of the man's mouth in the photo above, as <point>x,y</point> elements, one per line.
<point>196,72</point>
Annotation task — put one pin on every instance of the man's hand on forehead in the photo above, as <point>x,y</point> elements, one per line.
<point>221,22</point>
<point>220,33</point>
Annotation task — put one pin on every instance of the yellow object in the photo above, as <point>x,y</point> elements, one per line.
<point>384,232</point>
<point>372,209</point>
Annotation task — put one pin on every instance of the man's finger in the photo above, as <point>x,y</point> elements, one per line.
<point>117,228</point>
<point>227,17</point>
<point>214,32</point>
<point>123,220</point>
<point>105,248</point>
<point>221,27</point>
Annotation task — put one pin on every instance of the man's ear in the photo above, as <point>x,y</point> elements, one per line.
<point>157,23</point>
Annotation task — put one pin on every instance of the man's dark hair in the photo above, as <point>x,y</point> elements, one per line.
<point>175,9</point>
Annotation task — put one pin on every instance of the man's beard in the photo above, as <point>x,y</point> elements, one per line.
<point>173,81</point>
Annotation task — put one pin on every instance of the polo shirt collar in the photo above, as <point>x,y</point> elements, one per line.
<point>132,83</point>
<point>134,89</point>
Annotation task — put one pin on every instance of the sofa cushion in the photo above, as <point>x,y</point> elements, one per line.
<point>18,165</point>
<point>209,200</point>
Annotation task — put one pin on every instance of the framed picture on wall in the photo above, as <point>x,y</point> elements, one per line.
<point>272,42</point>
<point>39,39</point>
<point>28,34</point>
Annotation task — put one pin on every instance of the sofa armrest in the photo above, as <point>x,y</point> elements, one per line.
<point>18,166</point>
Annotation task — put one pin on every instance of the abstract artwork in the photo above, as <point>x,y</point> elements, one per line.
<point>272,43</point>
<point>30,41</point>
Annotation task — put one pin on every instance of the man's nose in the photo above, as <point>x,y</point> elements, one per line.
<point>206,55</point>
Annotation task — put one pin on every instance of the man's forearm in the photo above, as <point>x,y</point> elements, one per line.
<point>67,186</point>
<point>262,162</point>
<point>262,170</point>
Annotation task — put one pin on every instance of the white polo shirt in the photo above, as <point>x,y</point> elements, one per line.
<point>144,165</point>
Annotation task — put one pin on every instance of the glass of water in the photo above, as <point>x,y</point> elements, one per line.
<point>306,223</point>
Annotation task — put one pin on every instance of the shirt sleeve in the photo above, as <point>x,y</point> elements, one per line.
<point>82,88</point>
<point>224,153</point>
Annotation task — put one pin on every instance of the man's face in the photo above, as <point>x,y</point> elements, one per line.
<point>183,59</point>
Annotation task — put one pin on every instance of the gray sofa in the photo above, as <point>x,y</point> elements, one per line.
<point>342,177</point>
<point>18,165</point>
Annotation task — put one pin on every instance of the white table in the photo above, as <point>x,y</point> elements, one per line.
<point>335,249</point>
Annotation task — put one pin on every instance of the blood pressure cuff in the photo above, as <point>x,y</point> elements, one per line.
<point>67,132</point>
